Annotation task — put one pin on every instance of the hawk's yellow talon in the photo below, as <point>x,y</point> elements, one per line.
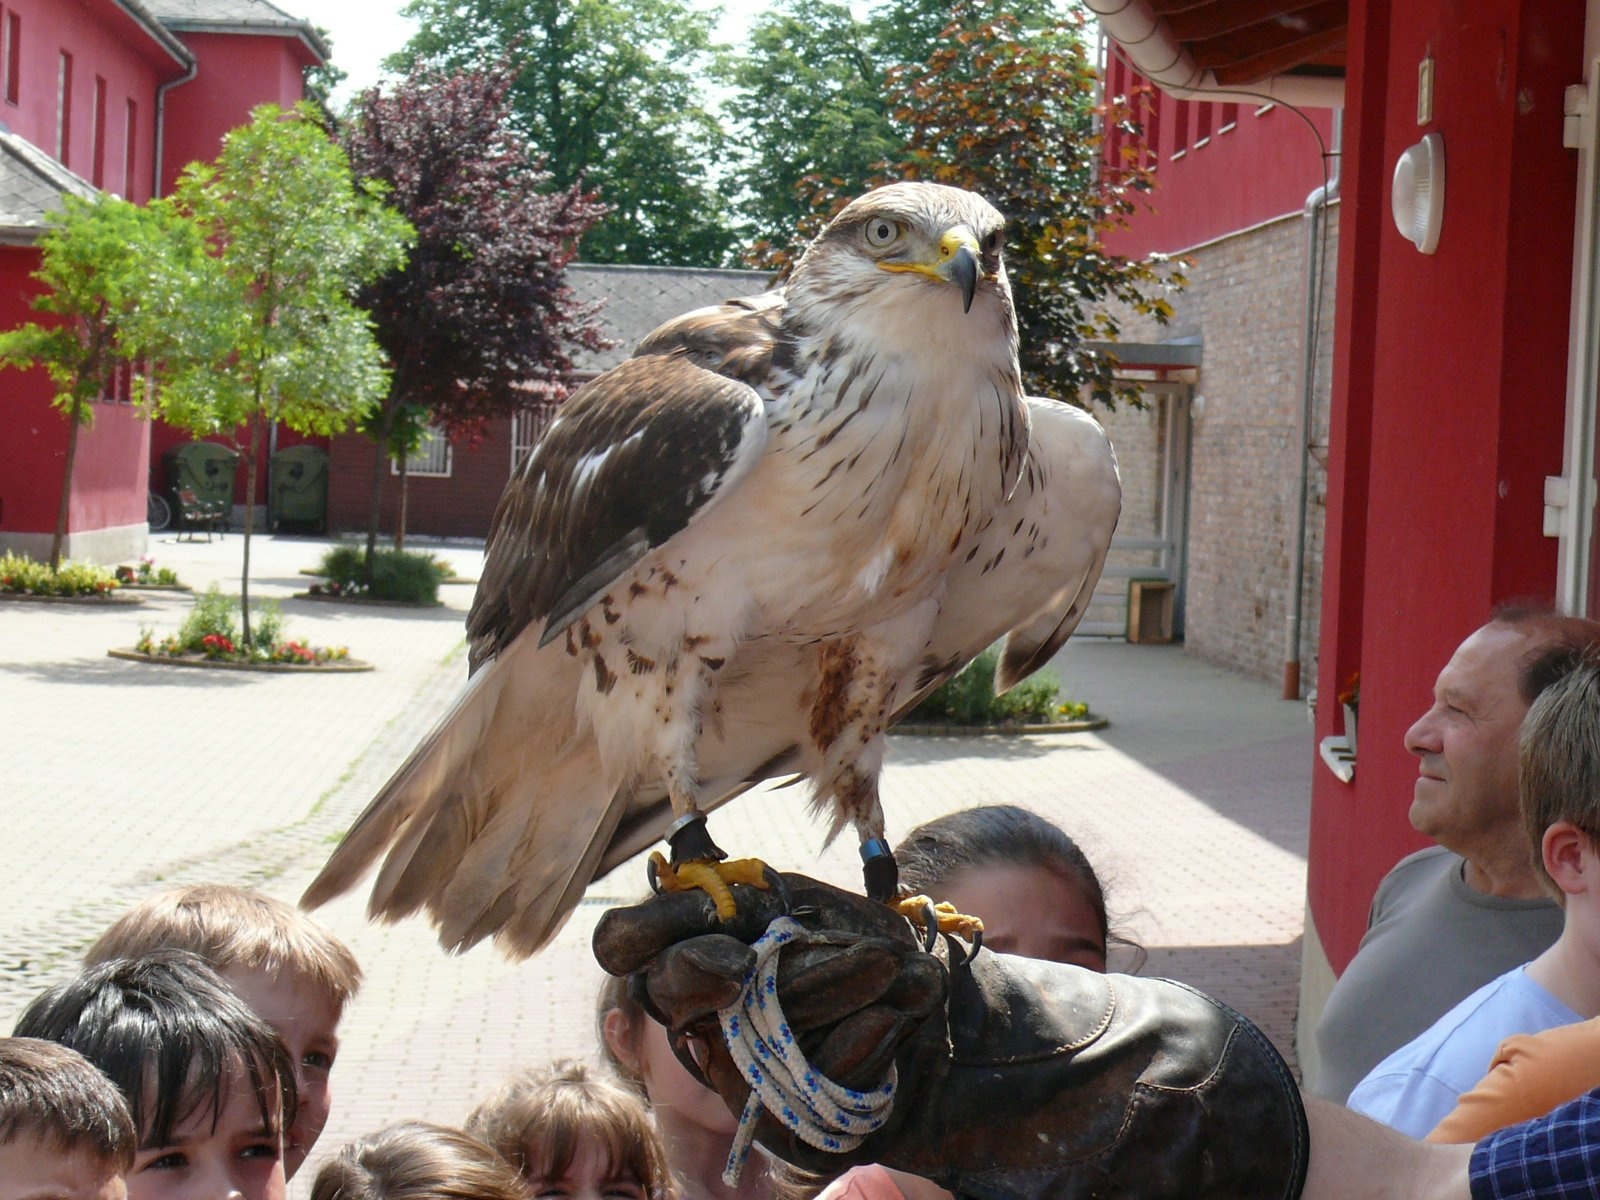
<point>915,909</point>
<point>712,878</point>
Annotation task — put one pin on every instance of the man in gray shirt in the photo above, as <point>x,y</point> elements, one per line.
<point>1448,919</point>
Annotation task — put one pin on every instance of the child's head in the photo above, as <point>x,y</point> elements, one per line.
<point>639,1052</point>
<point>418,1161</point>
<point>65,1131</point>
<point>1023,877</point>
<point>207,1081</point>
<point>1559,770</point>
<point>573,1133</point>
<point>285,965</point>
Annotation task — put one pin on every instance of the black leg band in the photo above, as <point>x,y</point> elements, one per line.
<point>691,841</point>
<point>879,870</point>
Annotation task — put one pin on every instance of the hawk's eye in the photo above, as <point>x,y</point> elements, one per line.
<point>883,232</point>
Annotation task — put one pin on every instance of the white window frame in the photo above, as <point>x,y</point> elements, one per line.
<point>527,427</point>
<point>433,459</point>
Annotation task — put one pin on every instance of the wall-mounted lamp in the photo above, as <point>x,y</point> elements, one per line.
<point>1418,193</point>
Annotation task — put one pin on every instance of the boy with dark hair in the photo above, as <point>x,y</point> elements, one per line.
<point>207,1082</point>
<point>293,972</point>
<point>65,1131</point>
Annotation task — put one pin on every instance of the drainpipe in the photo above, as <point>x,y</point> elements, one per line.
<point>161,118</point>
<point>1316,212</point>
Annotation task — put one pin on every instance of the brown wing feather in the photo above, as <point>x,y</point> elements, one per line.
<point>631,460</point>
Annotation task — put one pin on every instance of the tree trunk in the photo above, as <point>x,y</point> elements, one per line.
<point>380,468</point>
<point>400,520</point>
<point>65,509</point>
<point>249,520</point>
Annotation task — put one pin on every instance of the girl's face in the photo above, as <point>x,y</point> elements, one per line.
<point>675,1095</point>
<point>232,1154</point>
<point>588,1176</point>
<point>1029,911</point>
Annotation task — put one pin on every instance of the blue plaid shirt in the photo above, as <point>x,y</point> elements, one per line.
<point>1549,1158</point>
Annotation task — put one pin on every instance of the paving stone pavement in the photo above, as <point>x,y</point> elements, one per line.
<point>117,779</point>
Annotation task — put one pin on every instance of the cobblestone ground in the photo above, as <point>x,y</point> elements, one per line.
<point>117,779</point>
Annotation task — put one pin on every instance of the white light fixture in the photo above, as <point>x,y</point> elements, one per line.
<point>1418,193</point>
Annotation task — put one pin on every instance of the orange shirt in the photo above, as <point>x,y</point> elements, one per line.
<point>1530,1075</point>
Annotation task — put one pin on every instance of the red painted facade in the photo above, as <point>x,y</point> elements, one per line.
<point>83,82</point>
<point>1449,393</point>
<point>1249,163</point>
<point>112,61</point>
<point>236,73</point>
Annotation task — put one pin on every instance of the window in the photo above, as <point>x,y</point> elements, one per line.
<point>1230,118</point>
<point>430,458</point>
<point>97,136</point>
<point>527,427</point>
<point>1202,123</point>
<point>13,57</point>
<point>1180,128</point>
<point>130,144</point>
<point>64,109</point>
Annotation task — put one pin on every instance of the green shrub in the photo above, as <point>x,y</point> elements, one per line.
<point>968,698</point>
<point>213,615</point>
<point>396,575</point>
<point>21,574</point>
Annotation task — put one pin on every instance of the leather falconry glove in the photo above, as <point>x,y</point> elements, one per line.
<point>1017,1079</point>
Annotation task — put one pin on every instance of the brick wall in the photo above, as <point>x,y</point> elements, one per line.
<point>459,505</point>
<point>1246,300</point>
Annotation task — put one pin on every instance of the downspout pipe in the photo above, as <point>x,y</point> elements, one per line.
<point>1159,57</point>
<point>1315,214</point>
<point>161,119</point>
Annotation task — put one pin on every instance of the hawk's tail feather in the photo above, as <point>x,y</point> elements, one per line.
<point>442,755</point>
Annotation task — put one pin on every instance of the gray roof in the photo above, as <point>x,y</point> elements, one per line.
<point>634,300</point>
<point>235,16</point>
<point>141,13</point>
<point>31,185</point>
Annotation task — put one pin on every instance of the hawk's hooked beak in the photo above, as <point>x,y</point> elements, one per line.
<point>958,259</point>
<point>957,264</point>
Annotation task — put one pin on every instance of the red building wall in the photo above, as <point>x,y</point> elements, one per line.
<point>460,506</point>
<point>237,73</point>
<point>1449,393</point>
<point>108,476</point>
<point>1248,162</point>
<point>104,42</point>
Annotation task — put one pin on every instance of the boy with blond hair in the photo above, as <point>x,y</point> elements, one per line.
<point>65,1131</point>
<point>293,972</point>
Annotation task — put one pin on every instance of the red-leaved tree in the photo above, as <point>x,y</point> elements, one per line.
<point>480,322</point>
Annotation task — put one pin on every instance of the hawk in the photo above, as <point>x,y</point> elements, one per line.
<point>744,552</point>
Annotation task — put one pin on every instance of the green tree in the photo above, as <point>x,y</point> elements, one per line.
<point>1011,115</point>
<point>810,108</point>
<point>98,261</point>
<point>609,92</point>
<point>266,330</point>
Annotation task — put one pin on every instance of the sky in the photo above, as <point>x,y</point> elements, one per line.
<point>364,32</point>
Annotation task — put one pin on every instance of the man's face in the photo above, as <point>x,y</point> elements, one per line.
<point>232,1154</point>
<point>306,1017</point>
<point>33,1169</point>
<point>1466,790</point>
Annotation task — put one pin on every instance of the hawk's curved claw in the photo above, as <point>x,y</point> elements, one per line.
<point>712,878</point>
<point>939,918</point>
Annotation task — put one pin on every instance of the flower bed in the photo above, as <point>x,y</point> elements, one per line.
<point>145,575</point>
<point>210,637</point>
<point>21,576</point>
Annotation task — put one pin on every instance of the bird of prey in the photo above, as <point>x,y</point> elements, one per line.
<point>744,552</point>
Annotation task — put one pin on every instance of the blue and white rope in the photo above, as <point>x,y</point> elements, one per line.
<point>819,1111</point>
